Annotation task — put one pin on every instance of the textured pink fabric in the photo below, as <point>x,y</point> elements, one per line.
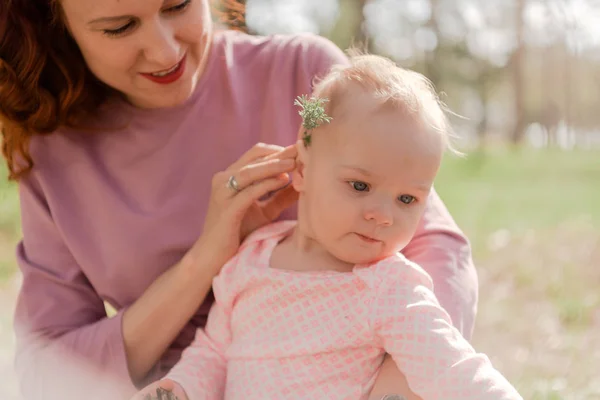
<point>107,210</point>
<point>278,334</point>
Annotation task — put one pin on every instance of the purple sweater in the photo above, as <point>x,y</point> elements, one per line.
<point>108,209</point>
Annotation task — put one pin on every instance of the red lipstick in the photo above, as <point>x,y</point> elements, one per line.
<point>170,76</point>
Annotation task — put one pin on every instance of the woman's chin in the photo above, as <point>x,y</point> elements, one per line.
<point>168,100</point>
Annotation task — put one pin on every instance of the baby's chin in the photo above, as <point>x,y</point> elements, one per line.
<point>357,256</point>
<point>362,257</point>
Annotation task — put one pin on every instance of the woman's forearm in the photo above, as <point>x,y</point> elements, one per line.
<point>152,323</point>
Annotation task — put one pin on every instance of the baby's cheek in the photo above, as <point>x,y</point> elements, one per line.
<point>411,223</point>
<point>339,210</point>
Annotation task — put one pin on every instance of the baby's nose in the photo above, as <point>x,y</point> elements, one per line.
<point>380,213</point>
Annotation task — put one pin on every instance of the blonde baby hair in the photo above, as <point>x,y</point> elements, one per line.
<point>392,86</point>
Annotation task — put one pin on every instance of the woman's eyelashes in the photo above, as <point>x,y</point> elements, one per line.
<point>129,25</point>
<point>360,186</point>
<point>179,7</point>
<point>119,31</point>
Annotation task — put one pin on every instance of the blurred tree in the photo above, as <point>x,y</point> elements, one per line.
<point>361,38</point>
<point>350,28</point>
<point>568,25</point>
<point>517,70</point>
<point>433,65</point>
<point>504,64</point>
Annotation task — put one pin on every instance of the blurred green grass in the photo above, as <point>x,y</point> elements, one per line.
<point>533,218</point>
<point>520,190</point>
<point>10,227</point>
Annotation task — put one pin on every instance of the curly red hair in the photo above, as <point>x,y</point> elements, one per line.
<point>44,81</point>
<point>232,13</point>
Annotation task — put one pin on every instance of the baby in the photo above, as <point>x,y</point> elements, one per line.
<point>308,309</point>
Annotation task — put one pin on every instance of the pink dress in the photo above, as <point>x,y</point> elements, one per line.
<point>279,334</point>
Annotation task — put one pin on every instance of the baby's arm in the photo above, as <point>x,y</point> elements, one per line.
<point>200,374</point>
<point>435,358</point>
<point>201,371</point>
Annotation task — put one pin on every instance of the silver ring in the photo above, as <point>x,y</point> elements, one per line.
<point>232,184</point>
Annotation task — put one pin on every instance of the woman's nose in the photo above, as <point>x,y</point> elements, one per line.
<point>161,46</point>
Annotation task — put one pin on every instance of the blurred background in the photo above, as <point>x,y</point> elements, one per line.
<point>524,77</point>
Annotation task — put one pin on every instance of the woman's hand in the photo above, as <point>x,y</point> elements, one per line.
<point>264,211</point>
<point>165,389</point>
<point>235,208</point>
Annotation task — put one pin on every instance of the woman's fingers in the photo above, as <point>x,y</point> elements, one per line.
<point>257,151</point>
<point>264,152</point>
<point>289,152</point>
<point>281,200</point>
<point>273,164</point>
<point>244,199</point>
<point>254,173</point>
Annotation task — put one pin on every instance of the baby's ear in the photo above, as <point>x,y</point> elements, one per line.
<point>301,160</point>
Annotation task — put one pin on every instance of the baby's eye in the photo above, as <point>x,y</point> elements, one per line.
<point>406,198</point>
<point>359,186</point>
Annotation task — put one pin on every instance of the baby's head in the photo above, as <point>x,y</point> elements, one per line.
<point>365,177</point>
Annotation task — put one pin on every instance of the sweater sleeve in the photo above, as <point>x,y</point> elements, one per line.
<point>67,347</point>
<point>438,362</point>
<point>202,369</point>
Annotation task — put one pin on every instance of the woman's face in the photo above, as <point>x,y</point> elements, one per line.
<point>153,51</point>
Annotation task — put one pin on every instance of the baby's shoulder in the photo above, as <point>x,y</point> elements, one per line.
<point>250,261</point>
<point>395,270</point>
<point>251,248</point>
<point>270,231</point>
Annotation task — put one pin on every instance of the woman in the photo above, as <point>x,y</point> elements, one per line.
<point>127,124</point>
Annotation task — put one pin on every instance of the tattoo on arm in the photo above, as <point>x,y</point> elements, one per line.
<point>161,394</point>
